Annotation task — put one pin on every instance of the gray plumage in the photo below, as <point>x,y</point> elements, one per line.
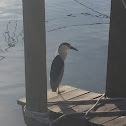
<point>56,73</point>
<point>57,67</point>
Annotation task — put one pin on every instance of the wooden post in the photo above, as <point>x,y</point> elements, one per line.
<point>35,56</point>
<point>116,69</point>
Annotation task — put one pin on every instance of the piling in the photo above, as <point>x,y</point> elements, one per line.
<point>116,68</point>
<point>35,56</point>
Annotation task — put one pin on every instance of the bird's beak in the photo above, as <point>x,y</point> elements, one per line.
<point>73,48</point>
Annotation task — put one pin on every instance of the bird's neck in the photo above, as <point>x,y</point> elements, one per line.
<point>63,53</point>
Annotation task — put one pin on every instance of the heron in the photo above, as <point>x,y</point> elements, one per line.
<point>57,67</point>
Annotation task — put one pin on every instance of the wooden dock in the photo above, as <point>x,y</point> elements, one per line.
<point>72,94</point>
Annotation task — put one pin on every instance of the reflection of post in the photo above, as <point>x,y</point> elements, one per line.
<point>35,56</point>
<point>116,69</point>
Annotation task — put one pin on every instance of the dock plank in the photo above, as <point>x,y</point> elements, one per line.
<point>73,108</point>
<point>64,88</point>
<point>68,95</point>
<point>115,119</point>
<point>74,94</point>
<point>120,121</point>
<point>82,108</point>
<point>116,106</point>
<point>50,94</point>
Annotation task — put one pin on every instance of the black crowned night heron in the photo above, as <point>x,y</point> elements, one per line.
<point>57,67</point>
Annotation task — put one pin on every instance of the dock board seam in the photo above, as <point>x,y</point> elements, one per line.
<point>72,106</point>
<point>71,99</point>
<point>62,94</point>
<point>113,117</point>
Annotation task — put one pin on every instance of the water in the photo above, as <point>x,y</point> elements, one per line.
<point>85,69</point>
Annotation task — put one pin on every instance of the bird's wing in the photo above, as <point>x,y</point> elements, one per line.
<point>56,73</point>
<point>56,68</point>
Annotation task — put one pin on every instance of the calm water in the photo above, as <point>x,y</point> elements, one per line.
<point>65,22</point>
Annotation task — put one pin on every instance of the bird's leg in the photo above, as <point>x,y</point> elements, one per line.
<point>60,91</point>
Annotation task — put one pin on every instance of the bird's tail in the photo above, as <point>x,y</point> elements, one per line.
<point>53,89</point>
<point>54,85</point>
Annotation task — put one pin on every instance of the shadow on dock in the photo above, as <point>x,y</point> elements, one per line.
<point>71,121</point>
